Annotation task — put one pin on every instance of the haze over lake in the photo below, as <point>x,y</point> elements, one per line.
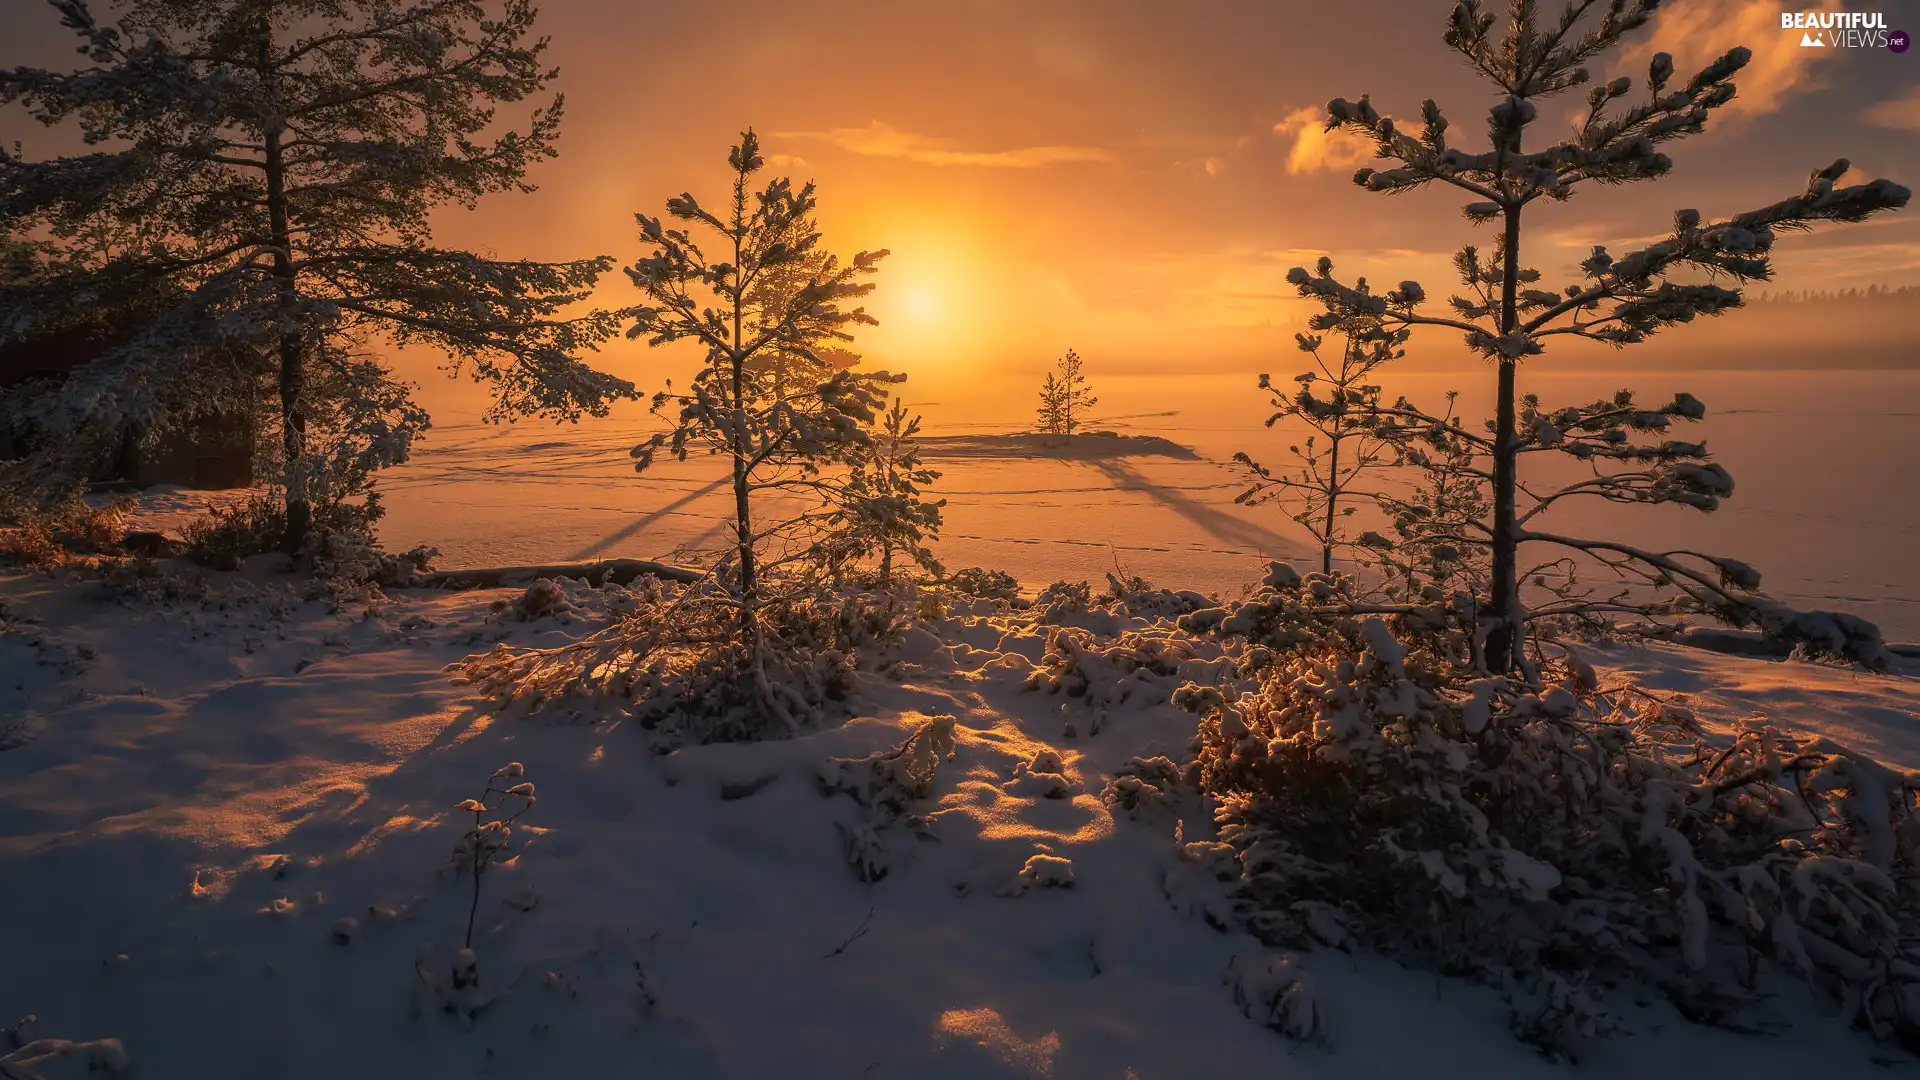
<point>1823,464</point>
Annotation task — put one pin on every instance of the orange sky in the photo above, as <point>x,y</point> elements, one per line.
<point>1131,179</point>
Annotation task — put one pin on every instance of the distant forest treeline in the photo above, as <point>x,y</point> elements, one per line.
<point>1872,294</point>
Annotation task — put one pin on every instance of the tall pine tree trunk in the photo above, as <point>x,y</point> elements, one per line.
<point>1505,641</point>
<point>1333,501</point>
<point>293,417</point>
<point>742,489</point>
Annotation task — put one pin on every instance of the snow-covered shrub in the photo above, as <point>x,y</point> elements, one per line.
<point>1142,784</point>
<point>886,784</point>
<point>224,537</point>
<point>31,535</point>
<point>1137,597</point>
<point>545,598</point>
<point>1062,600</point>
<point>983,584</point>
<point>1042,872</point>
<point>1274,991</point>
<point>669,658</point>
<point>341,549</point>
<point>1557,841</point>
<point>1042,776</point>
<point>1139,666</point>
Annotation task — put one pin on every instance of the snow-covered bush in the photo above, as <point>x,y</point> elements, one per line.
<point>32,535</point>
<point>1141,785</point>
<point>341,549</point>
<point>983,584</point>
<point>1555,840</point>
<point>1276,992</point>
<point>1138,666</point>
<point>670,658</point>
<point>1136,596</point>
<point>887,784</point>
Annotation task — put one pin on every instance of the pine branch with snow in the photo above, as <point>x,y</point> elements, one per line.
<point>261,183</point>
<point>1502,313</point>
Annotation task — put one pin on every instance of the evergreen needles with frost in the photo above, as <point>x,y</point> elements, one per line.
<point>258,185</point>
<point>881,507</point>
<point>1330,481</point>
<point>762,642</point>
<point>1505,316</point>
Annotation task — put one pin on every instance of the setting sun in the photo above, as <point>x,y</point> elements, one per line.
<point>919,304</point>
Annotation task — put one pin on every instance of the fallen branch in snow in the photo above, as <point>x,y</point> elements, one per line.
<point>618,571</point>
<point>25,1056</point>
<point>859,932</point>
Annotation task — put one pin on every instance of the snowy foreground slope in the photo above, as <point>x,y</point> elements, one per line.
<point>199,797</point>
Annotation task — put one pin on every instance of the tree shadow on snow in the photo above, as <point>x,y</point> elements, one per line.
<point>1227,527</point>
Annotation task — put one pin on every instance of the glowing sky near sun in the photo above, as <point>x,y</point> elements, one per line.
<point>1131,178</point>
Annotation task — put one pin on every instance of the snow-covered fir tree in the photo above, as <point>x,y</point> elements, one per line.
<point>884,510</point>
<point>1329,482</point>
<point>1504,316</point>
<point>782,436</point>
<point>1065,398</point>
<point>267,168</point>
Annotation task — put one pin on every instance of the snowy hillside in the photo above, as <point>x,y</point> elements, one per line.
<point>227,828</point>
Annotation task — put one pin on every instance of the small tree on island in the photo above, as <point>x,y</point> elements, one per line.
<point>272,166</point>
<point>1065,397</point>
<point>1504,317</point>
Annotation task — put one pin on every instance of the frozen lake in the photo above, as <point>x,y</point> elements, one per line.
<point>1824,465</point>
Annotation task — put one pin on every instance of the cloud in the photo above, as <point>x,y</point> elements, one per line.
<point>1902,112</point>
<point>1314,148</point>
<point>1698,32</point>
<point>882,140</point>
<point>788,161</point>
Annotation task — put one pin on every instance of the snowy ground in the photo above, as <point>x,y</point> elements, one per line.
<point>201,795</point>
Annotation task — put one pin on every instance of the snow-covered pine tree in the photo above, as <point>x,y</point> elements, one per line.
<point>274,164</point>
<point>883,508</point>
<point>796,371</point>
<point>1065,397</point>
<point>1505,317</point>
<point>779,434</point>
<point>1328,483</point>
